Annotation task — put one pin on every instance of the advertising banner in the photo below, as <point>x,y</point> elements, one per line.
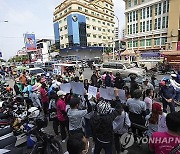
<point>30,42</point>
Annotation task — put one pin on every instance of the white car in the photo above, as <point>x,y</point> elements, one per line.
<point>36,71</point>
<point>125,69</point>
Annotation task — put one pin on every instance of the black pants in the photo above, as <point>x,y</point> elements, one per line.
<point>63,126</point>
<point>99,146</point>
<point>118,146</point>
<point>45,108</point>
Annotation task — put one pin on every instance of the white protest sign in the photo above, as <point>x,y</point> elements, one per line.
<point>92,91</point>
<point>66,87</point>
<point>77,88</point>
<point>162,123</point>
<point>122,95</point>
<point>103,93</point>
<point>111,94</point>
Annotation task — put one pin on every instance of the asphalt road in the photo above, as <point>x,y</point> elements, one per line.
<point>135,149</point>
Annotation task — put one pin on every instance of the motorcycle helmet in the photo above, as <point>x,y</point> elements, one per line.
<point>103,107</point>
<point>33,112</point>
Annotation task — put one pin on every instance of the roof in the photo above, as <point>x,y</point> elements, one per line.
<point>128,53</point>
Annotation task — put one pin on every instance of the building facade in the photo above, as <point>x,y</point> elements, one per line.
<point>152,25</point>
<point>116,33</point>
<point>84,23</point>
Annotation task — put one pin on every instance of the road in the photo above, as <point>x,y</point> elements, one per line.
<point>135,149</point>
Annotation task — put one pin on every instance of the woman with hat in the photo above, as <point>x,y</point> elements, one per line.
<point>34,97</point>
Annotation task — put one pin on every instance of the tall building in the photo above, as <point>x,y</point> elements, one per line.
<point>84,23</point>
<point>116,33</point>
<point>152,25</point>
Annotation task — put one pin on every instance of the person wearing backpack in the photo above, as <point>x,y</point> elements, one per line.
<point>121,125</point>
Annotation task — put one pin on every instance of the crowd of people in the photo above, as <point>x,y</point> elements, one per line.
<point>83,117</point>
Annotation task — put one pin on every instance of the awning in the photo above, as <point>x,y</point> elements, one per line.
<point>128,53</point>
<point>150,54</point>
<point>171,53</point>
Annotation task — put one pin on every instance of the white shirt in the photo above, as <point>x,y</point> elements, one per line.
<point>148,102</point>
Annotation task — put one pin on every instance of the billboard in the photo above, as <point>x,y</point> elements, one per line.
<point>30,42</point>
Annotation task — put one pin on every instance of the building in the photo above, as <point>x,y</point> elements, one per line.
<point>152,26</point>
<point>116,33</point>
<point>86,24</point>
<point>123,33</point>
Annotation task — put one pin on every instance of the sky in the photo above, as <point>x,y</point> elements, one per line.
<point>35,16</point>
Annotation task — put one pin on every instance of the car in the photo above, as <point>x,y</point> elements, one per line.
<point>36,71</point>
<point>125,69</point>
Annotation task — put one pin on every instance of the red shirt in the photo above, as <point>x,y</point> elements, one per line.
<point>43,93</point>
<point>61,108</point>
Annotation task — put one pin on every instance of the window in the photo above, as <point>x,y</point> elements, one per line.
<point>65,27</point>
<point>134,16</point>
<point>150,11</point>
<point>99,21</point>
<point>88,26</point>
<point>142,43</point>
<point>104,30</point>
<point>80,8</point>
<point>100,36</point>
<point>129,3</point>
<point>167,22</point>
<point>136,27</point>
<point>144,13</point>
<point>141,13</point>
<point>164,22</point>
<point>97,14</point>
<point>69,8</point>
<point>109,30</point>
<point>156,9</point>
<point>60,29</point>
<point>64,19</point>
<point>87,18</point>
<point>148,42</point>
<point>142,1</point>
<point>130,17</point>
<point>104,37</point>
<point>119,66</point>
<point>103,23</point>
<point>130,44</point>
<point>99,29</point>
<point>60,21</point>
<point>102,16</point>
<point>94,36</point>
<point>144,26</point>
<point>140,26</point>
<point>61,37</point>
<point>65,11</point>
<point>147,26</point>
<point>94,28</point>
<point>130,29</point>
<point>92,13</point>
<point>155,24</point>
<point>107,5</point>
<point>159,23</point>
<point>108,24</point>
<point>168,6</point>
<point>109,37</point>
<point>159,9</point>
<point>147,12</point>
<point>106,11</point>
<point>163,40</point>
<point>157,41</point>
<point>135,2</point>
<point>135,43</point>
<point>164,7</point>
<point>86,10</point>
<point>150,25</point>
<point>93,20</point>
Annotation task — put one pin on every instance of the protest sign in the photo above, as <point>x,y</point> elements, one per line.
<point>162,123</point>
<point>103,93</point>
<point>92,91</point>
<point>111,95</point>
<point>122,95</point>
<point>66,87</point>
<point>77,88</point>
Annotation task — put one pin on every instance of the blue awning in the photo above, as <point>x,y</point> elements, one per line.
<point>150,54</point>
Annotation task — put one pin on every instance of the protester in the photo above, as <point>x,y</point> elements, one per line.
<point>101,126</point>
<point>34,97</point>
<point>23,78</point>
<point>77,144</point>
<point>121,125</point>
<point>146,85</point>
<point>86,85</point>
<point>94,79</point>
<point>62,118</point>
<point>148,100</point>
<point>133,85</point>
<point>81,77</point>
<point>119,82</point>
<point>44,98</point>
<point>75,116</point>
<point>168,94</point>
<point>166,142</point>
<point>178,77</point>
<point>18,87</point>
<point>108,81</point>
<point>153,118</point>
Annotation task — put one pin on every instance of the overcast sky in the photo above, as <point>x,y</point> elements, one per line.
<point>32,16</point>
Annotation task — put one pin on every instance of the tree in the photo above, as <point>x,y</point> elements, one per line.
<point>108,50</point>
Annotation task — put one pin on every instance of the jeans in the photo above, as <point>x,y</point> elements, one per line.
<point>171,105</point>
<point>118,147</point>
<point>99,146</point>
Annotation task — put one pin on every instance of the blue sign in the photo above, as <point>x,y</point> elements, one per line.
<point>30,42</point>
